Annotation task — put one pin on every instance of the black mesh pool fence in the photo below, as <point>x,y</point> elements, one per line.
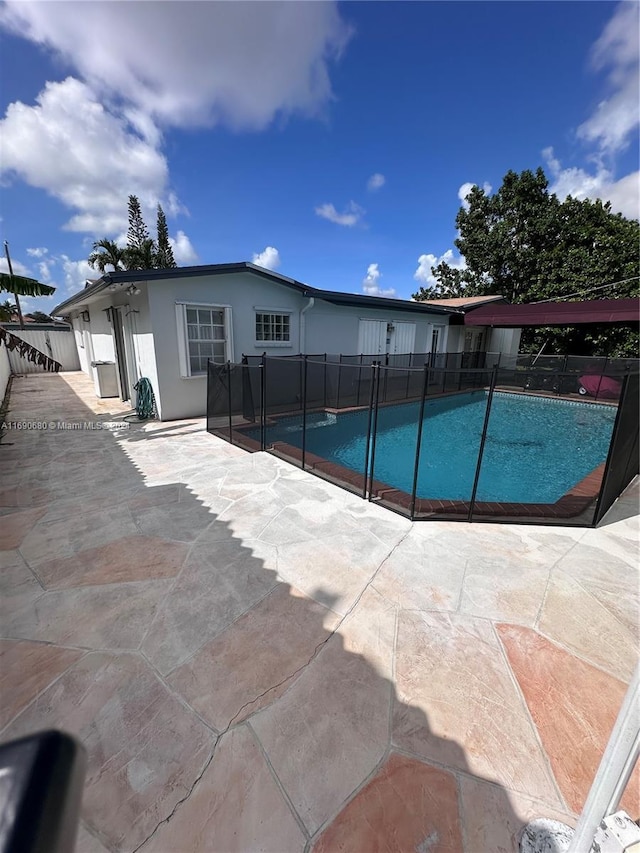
<point>296,406</point>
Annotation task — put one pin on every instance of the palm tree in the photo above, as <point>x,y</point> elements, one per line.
<point>7,309</point>
<point>105,254</point>
<point>141,257</point>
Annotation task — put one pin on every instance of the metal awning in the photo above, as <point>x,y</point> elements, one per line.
<point>556,313</point>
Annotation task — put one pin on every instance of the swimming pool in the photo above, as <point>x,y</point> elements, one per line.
<point>536,448</point>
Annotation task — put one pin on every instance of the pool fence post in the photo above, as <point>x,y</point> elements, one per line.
<point>386,377</point>
<point>208,393</point>
<point>325,381</point>
<point>597,513</point>
<point>483,438</point>
<point>339,369</point>
<point>374,428</point>
<point>304,412</point>
<point>229,401</point>
<point>419,443</point>
<point>368,442</point>
<point>263,401</point>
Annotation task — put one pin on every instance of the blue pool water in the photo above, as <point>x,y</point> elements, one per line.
<point>536,448</point>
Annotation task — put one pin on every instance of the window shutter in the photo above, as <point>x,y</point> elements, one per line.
<point>181,326</point>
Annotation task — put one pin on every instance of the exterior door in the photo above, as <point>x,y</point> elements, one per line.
<point>121,358</point>
<point>437,339</point>
<point>404,337</point>
<point>372,337</point>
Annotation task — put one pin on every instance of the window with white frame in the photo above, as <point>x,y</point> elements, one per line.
<point>273,328</point>
<point>203,334</point>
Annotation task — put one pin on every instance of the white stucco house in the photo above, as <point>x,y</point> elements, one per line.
<point>166,324</point>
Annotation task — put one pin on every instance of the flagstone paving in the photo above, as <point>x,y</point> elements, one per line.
<point>257,660</point>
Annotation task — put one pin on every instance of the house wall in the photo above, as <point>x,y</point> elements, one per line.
<point>322,328</point>
<point>5,370</point>
<point>81,333</point>
<point>102,345</point>
<point>506,341</point>
<point>334,328</point>
<point>95,339</point>
<point>186,397</point>
<point>455,342</point>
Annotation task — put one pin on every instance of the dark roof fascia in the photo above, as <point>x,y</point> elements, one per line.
<point>334,297</point>
<point>39,327</point>
<point>595,311</point>
<point>79,298</point>
<point>354,299</point>
<point>495,300</point>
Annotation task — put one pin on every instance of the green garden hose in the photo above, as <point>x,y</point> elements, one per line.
<point>145,401</point>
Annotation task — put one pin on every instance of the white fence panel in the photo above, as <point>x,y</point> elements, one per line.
<point>5,370</point>
<point>56,343</point>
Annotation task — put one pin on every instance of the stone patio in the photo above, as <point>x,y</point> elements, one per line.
<point>257,660</point>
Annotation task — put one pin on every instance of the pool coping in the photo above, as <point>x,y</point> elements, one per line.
<point>570,505</point>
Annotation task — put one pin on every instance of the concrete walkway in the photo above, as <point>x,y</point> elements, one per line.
<point>257,660</point>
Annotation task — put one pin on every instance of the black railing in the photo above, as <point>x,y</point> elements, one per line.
<point>393,434</point>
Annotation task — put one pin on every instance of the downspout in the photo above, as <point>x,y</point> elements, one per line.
<point>303,311</point>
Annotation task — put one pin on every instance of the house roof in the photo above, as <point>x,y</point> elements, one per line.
<point>465,302</point>
<point>335,297</point>
<point>556,313</point>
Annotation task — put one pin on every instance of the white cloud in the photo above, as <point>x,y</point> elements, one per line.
<point>466,188</point>
<point>617,117</point>
<point>269,259</point>
<point>91,160</point>
<point>38,252</point>
<point>425,262</point>
<point>352,214</point>
<point>624,194</point>
<point>206,64</point>
<point>18,267</point>
<point>76,273</point>
<point>183,251</point>
<point>370,283</point>
<point>612,123</point>
<point>375,182</point>
<point>44,269</point>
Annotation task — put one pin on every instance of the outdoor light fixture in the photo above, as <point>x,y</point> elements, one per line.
<point>85,316</point>
<point>133,290</point>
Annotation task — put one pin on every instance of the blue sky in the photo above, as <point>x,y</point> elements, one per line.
<point>331,142</point>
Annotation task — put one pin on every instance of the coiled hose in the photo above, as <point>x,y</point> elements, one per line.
<point>145,400</point>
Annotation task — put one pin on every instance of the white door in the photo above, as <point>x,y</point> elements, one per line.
<point>372,337</point>
<point>404,337</point>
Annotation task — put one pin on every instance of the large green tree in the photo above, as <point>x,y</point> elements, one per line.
<point>140,253</point>
<point>164,254</point>
<point>523,243</point>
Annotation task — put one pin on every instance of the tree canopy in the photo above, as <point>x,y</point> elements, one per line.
<point>523,243</point>
<point>142,252</point>
<point>164,253</point>
<point>40,317</point>
<point>107,253</point>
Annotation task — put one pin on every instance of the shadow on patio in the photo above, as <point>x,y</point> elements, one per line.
<point>223,708</point>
